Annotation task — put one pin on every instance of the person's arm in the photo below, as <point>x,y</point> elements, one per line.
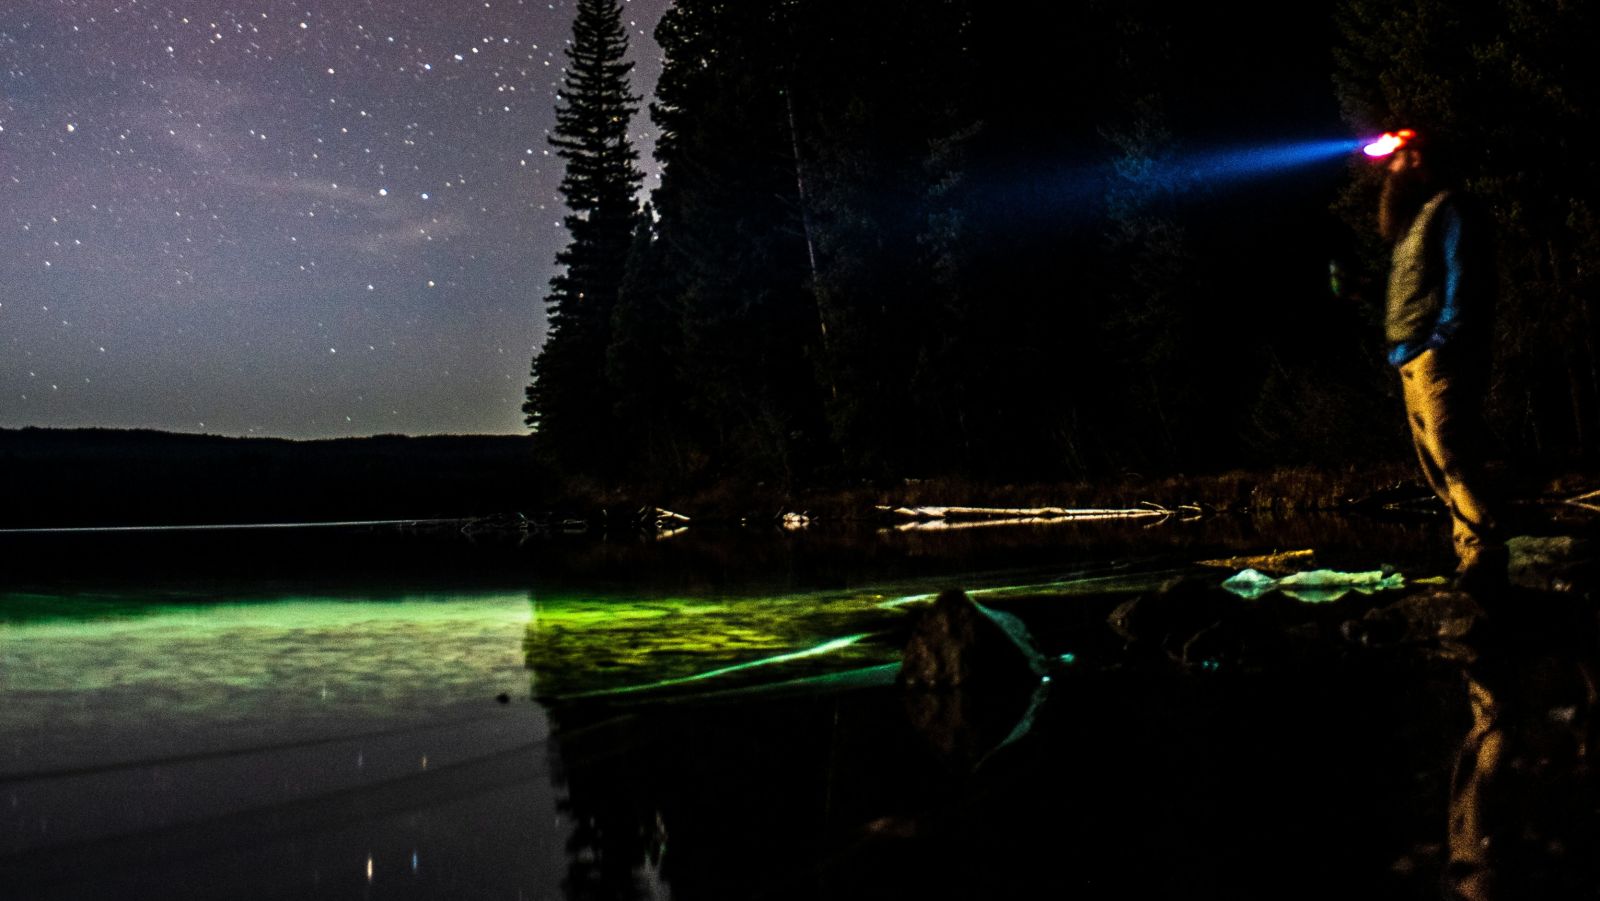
<point>1457,263</point>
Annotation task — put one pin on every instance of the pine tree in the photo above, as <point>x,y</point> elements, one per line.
<point>1145,317</point>
<point>642,365</point>
<point>734,239</point>
<point>569,404</point>
<point>875,96</point>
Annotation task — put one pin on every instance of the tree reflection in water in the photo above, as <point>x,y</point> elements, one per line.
<point>1325,763</point>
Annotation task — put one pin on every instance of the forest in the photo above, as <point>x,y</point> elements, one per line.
<point>925,238</point>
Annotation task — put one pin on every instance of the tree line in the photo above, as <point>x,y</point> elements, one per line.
<point>939,237</point>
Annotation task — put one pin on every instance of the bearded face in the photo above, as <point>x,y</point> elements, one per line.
<point>1405,189</point>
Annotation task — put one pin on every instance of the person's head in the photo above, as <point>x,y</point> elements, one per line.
<point>1411,177</point>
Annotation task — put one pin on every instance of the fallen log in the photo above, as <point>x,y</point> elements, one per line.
<point>1280,563</point>
<point>947,525</point>
<point>1026,513</point>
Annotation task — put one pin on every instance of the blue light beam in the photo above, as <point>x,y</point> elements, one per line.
<point>1217,167</point>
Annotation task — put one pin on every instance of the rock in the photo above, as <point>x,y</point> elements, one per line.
<point>1427,617</point>
<point>970,676</point>
<point>1551,563</point>
<point>957,642</point>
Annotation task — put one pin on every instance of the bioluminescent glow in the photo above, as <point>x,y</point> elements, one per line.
<point>581,643</point>
<point>1041,696</point>
<point>590,645</point>
<point>826,647</point>
<point>1389,143</point>
<point>139,730</point>
<point>90,681</point>
<point>1096,581</point>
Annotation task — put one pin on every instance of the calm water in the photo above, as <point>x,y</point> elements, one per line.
<point>327,746</point>
<point>374,717</point>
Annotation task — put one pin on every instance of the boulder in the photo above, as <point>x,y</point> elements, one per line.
<point>1552,563</point>
<point>957,642</point>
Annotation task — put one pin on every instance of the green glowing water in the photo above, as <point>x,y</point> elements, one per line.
<point>79,671</point>
<point>109,672</point>
<point>314,738</point>
<point>581,645</point>
<point>108,664</point>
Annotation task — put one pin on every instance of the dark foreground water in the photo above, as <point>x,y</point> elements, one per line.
<point>360,715</point>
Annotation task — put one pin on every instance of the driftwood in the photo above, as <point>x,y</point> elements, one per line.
<point>1588,500</point>
<point>944,525</point>
<point>1026,514</point>
<point>1280,563</point>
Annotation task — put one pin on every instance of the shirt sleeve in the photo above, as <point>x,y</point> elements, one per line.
<point>1456,276</point>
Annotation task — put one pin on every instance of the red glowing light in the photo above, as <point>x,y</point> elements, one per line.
<point>1389,143</point>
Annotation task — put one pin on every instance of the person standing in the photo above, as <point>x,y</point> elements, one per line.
<point>1438,327</point>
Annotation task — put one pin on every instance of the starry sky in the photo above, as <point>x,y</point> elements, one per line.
<point>297,218</point>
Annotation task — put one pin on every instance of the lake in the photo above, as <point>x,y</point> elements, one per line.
<point>380,714</point>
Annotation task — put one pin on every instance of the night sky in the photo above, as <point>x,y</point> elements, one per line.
<point>268,217</point>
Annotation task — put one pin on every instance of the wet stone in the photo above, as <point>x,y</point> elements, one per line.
<point>1552,563</point>
<point>1426,617</point>
<point>956,642</point>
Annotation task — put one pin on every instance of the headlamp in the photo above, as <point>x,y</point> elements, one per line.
<point>1389,143</point>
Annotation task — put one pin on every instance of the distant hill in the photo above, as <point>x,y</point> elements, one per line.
<point>62,477</point>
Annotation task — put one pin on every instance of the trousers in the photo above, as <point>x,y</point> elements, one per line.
<point>1446,429</point>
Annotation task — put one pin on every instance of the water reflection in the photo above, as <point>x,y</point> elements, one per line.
<point>368,561</point>
<point>583,644</point>
<point>316,746</point>
<point>717,720</point>
<point>1523,818</point>
<point>1151,778</point>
